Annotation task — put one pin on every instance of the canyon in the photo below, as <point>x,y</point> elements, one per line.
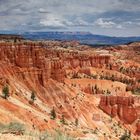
<point>98,87</point>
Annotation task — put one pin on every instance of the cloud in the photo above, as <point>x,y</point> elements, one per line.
<point>51,20</point>
<point>83,15</point>
<point>104,24</point>
<point>42,10</point>
<point>80,22</point>
<point>119,26</point>
<point>107,23</point>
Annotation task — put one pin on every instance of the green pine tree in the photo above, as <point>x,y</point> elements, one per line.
<point>63,120</point>
<point>33,96</point>
<point>5,92</point>
<point>53,114</point>
<point>76,122</point>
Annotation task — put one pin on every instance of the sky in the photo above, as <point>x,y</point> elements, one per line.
<point>103,17</point>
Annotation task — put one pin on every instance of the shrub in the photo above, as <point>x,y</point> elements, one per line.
<point>12,127</point>
<point>15,126</point>
<point>44,135</point>
<point>108,92</point>
<point>61,136</point>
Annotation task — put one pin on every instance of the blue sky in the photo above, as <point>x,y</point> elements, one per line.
<point>106,17</point>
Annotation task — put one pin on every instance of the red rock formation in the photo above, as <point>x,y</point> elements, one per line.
<point>57,71</point>
<point>30,56</point>
<point>138,129</point>
<point>26,66</point>
<point>74,59</point>
<point>119,106</point>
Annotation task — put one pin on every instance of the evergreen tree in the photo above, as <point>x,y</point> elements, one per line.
<point>33,96</point>
<point>76,122</point>
<point>53,114</point>
<point>126,136</point>
<point>63,120</point>
<point>5,92</point>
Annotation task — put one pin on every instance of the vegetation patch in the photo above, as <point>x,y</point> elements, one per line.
<point>13,128</point>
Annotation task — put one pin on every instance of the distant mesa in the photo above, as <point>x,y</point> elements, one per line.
<point>82,37</point>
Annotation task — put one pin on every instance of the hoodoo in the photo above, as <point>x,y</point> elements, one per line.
<point>81,86</point>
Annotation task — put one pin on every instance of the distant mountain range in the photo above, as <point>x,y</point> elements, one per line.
<point>82,37</point>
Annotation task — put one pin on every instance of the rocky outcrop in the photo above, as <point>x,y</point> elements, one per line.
<point>57,71</point>
<point>40,67</point>
<point>31,60</point>
<point>138,128</point>
<point>45,62</point>
<point>86,61</point>
<point>119,106</point>
<point>74,59</point>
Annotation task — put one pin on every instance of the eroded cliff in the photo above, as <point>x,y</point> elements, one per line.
<point>71,81</point>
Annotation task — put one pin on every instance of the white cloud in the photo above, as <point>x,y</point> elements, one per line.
<point>52,21</point>
<point>68,23</point>
<point>42,10</point>
<point>104,24</point>
<point>59,21</point>
<point>80,22</point>
<point>107,23</point>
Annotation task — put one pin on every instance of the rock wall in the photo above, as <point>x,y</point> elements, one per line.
<point>74,59</point>
<point>86,61</point>
<point>45,62</point>
<point>31,62</point>
<point>119,106</point>
<point>138,128</point>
